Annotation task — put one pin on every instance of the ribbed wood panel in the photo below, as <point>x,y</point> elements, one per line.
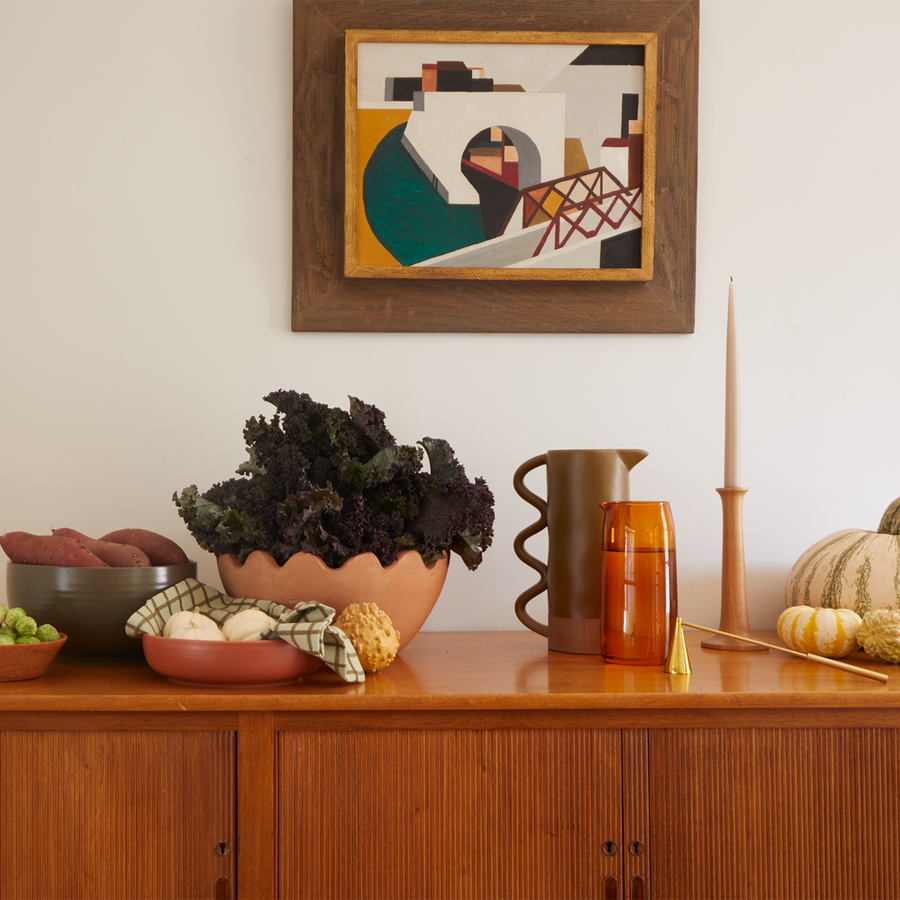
<point>775,813</point>
<point>448,814</point>
<point>115,814</point>
<point>636,844</point>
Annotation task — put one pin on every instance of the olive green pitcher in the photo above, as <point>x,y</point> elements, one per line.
<point>578,481</point>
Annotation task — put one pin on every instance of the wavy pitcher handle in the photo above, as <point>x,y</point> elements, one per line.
<point>519,543</point>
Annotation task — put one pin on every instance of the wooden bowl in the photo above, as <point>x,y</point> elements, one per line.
<point>227,663</point>
<point>19,662</point>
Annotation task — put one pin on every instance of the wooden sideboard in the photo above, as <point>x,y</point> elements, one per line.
<point>477,765</point>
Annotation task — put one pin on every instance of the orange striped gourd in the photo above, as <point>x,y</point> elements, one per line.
<point>827,632</point>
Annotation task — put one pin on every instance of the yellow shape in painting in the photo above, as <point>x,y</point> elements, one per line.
<point>372,126</point>
<point>576,161</point>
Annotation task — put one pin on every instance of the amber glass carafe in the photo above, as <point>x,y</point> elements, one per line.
<point>639,601</point>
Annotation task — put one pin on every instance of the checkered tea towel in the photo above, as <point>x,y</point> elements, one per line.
<point>307,626</point>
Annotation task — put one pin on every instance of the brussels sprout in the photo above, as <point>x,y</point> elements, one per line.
<point>13,614</point>
<point>2,613</point>
<point>27,639</point>
<point>47,633</point>
<point>26,626</point>
<point>6,639</point>
<point>8,629</point>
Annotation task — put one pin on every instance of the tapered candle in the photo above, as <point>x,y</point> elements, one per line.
<point>732,400</point>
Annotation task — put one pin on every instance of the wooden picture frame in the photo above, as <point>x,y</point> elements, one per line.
<point>326,298</point>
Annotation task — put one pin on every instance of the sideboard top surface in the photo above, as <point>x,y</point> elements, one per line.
<point>471,671</point>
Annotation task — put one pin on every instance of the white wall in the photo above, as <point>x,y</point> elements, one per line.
<point>145,214</point>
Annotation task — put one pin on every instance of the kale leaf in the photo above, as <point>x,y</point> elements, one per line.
<point>322,480</point>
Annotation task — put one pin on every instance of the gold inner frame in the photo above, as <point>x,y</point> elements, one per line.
<point>352,268</point>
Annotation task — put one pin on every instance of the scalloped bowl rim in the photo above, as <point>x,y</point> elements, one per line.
<point>263,559</point>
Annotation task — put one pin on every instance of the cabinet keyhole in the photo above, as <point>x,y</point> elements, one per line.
<point>610,848</point>
<point>223,848</point>
<point>636,848</point>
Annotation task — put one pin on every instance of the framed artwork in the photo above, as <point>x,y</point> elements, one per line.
<point>456,172</point>
<point>533,164</point>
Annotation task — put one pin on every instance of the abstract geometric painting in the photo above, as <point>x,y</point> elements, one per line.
<point>498,158</point>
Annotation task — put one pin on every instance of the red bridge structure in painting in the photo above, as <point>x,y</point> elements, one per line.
<point>579,204</point>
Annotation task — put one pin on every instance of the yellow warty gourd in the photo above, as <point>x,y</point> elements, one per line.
<point>827,632</point>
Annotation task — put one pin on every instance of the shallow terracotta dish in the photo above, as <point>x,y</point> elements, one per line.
<point>406,590</point>
<point>19,662</point>
<point>90,605</point>
<point>227,663</point>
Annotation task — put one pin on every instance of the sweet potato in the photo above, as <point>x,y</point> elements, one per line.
<point>160,550</point>
<point>120,556</point>
<point>48,550</point>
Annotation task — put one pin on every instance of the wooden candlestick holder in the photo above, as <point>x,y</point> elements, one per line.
<point>733,617</point>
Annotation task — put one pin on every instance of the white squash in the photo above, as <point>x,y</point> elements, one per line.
<point>247,625</point>
<point>193,626</point>
<point>851,569</point>
<point>177,620</point>
<point>827,632</point>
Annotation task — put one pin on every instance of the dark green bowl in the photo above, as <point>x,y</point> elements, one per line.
<point>90,605</point>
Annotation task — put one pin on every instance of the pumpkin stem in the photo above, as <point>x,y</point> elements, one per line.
<point>890,521</point>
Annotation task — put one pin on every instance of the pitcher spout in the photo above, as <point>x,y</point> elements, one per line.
<point>632,457</point>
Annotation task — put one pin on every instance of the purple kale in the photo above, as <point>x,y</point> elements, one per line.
<point>333,483</point>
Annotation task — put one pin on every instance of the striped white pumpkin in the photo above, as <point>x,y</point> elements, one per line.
<point>850,569</point>
<point>828,632</point>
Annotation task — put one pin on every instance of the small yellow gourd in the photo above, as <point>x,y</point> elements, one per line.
<point>192,626</point>
<point>372,634</point>
<point>824,631</point>
<point>247,625</point>
<point>879,634</point>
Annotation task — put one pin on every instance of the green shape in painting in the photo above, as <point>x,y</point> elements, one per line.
<point>406,213</point>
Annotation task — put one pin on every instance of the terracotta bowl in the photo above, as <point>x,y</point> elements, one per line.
<point>90,605</point>
<point>227,663</point>
<point>406,590</point>
<point>19,662</point>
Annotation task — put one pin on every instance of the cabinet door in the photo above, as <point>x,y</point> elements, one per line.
<point>117,814</point>
<point>775,813</point>
<point>447,813</point>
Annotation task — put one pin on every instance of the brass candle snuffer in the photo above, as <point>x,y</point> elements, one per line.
<point>679,664</point>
